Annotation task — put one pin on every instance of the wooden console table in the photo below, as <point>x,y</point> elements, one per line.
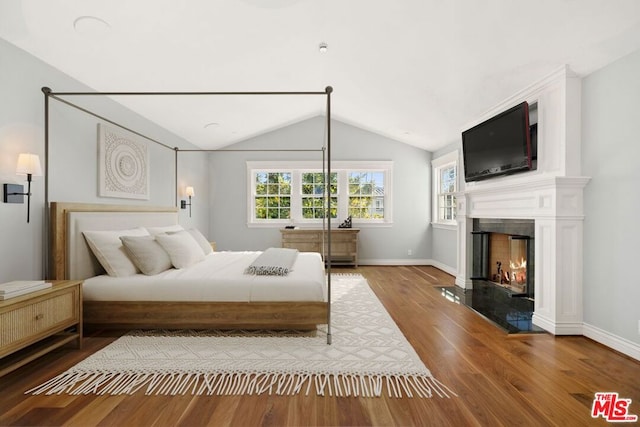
<point>34,324</point>
<point>344,243</point>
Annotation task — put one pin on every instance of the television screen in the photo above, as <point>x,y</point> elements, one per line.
<point>498,146</point>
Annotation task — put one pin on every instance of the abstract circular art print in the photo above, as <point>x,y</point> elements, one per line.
<point>123,164</point>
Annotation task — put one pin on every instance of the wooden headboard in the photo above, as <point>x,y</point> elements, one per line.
<point>70,255</point>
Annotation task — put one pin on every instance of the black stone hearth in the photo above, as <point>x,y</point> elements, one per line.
<point>497,305</point>
<point>507,298</point>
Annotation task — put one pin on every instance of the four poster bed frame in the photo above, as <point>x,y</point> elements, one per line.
<point>178,314</point>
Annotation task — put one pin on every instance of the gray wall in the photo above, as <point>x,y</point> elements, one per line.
<point>444,243</point>
<point>73,158</point>
<point>411,189</point>
<point>610,154</point>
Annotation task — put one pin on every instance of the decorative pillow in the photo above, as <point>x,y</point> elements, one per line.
<point>164,229</point>
<point>182,248</point>
<point>146,254</point>
<point>201,240</point>
<point>110,252</point>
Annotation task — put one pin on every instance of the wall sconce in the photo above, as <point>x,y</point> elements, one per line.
<point>183,203</point>
<point>29,165</point>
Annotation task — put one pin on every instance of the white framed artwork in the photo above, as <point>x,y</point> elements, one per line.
<point>123,164</point>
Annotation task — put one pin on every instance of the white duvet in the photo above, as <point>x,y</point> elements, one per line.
<point>219,277</point>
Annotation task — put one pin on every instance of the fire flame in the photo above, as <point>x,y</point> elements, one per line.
<point>522,264</point>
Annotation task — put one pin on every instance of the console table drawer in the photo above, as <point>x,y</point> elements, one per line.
<point>302,236</point>
<point>303,246</point>
<point>344,243</point>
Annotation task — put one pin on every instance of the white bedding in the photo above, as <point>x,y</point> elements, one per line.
<point>219,277</point>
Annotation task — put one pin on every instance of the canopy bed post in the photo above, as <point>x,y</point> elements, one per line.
<point>328,90</point>
<point>175,177</point>
<point>45,238</point>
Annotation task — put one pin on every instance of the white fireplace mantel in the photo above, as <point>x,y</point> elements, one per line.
<point>552,196</point>
<point>555,205</point>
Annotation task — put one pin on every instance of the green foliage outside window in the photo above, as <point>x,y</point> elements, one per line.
<point>273,195</point>
<point>366,195</point>
<point>313,193</point>
<point>446,200</point>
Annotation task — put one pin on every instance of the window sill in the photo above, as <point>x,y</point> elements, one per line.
<point>442,226</point>
<point>334,224</point>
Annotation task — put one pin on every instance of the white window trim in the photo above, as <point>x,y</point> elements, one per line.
<point>340,167</point>
<point>436,165</point>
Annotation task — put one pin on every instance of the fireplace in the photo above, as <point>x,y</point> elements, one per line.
<point>503,253</point>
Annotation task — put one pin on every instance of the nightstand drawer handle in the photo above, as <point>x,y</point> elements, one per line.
<point>39,316</point>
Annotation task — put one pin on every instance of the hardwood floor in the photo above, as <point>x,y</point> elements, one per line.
<point>500,379</point>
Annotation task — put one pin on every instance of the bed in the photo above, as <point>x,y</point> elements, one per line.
<point>186,298</point>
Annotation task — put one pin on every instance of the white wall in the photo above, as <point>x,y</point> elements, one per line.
<point>411,190</point>
<point>610,154</point>
<point>73,158</point>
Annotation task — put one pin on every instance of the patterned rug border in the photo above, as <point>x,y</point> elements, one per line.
<point>410,378</point>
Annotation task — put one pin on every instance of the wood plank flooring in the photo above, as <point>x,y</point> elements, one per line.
<point>500,379</point>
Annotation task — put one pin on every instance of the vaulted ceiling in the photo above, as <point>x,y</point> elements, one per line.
<point>418,71</point>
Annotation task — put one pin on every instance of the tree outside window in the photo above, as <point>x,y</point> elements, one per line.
<point>445,186</point>
<point>273,195</point>
<point>313,194</point>
<point>366,194</point>
<point>295,193</point>
<point>446,197</point>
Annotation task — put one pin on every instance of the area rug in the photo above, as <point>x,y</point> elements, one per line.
<point>369,356</point>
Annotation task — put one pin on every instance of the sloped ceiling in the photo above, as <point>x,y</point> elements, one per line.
<point>418,71</point>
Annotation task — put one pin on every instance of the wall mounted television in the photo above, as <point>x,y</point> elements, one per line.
<point>500,145</point>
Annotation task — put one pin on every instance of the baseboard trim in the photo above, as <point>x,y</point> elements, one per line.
<point>446,268</point>
<point>556,328</point>
<point>610,340</point>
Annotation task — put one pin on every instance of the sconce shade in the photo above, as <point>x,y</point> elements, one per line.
<point>29,164</point>
<point>189,192</point>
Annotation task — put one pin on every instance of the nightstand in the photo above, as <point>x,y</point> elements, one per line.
<point>34,324</point>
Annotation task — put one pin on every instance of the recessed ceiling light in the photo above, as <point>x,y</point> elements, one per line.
<point>323,47</point>
<point>90,25</point>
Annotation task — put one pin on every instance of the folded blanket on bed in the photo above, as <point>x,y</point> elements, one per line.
<point>273,262</point>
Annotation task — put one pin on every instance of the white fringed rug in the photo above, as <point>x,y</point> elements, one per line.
<point>368,357</point>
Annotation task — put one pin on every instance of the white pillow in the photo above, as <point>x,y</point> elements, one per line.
<point>146,254</point>
<point>108,248</point>
<point>182,248</point>
<point>164,229</point>
<point>201,240</point>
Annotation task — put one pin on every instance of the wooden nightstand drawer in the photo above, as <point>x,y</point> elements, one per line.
<point>37,323</point>
<point>38,318</point>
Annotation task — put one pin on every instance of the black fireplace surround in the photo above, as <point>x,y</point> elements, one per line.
<point>517,229</point>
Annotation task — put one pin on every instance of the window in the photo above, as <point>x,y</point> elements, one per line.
<point>366,194</point>
<point>313,193</point>
<point>272,196</point>
<point>445,185</point>
<point>284,192</point>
